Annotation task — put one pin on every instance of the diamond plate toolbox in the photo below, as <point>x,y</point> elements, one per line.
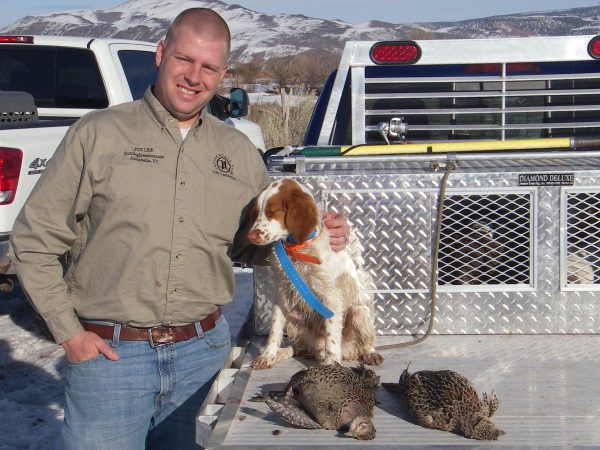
<point>519,250</point>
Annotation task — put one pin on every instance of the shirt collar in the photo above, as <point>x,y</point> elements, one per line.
<point>164,117</point>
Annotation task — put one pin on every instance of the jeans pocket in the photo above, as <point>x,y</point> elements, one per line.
<point>219,335</point>
<point>98,357</point>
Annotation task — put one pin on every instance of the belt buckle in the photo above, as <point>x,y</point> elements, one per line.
<point>160,335</point>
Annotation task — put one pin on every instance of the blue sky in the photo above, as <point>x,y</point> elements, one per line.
<point>353,11</point>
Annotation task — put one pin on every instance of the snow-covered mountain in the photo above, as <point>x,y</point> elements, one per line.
<point>258,34</point>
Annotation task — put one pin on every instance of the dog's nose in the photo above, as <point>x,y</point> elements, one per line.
<point>254,236</point>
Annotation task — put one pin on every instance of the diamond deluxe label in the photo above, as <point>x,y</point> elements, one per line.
<point>546,179</point>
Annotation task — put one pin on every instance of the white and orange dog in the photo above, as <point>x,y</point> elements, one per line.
<point>287,211</point>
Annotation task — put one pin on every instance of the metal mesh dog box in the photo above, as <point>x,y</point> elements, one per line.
<point>519,250</point>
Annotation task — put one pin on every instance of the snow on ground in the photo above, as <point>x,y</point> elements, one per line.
<point>30,382</point>
<point>265,98</point>
<point>31,386</point>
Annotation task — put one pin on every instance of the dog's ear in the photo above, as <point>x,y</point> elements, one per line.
<point>238,250</point>
<point>252,211</point>
<point>301,214</point>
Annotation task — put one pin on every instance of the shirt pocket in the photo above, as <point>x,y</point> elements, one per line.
<point>224,202</point>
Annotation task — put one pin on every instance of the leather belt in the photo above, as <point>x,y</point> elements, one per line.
<point>155,335</point>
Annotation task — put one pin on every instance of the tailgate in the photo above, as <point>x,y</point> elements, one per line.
<point>546,386</point>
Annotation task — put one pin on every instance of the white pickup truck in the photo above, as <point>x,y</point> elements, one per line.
<point>46,83</point>
<point>470,171</point>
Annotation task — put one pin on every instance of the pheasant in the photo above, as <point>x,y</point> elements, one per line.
<point>331,397</point>
<point>447,401</point>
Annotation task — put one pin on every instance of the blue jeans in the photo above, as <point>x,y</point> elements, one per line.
<point>149,397</point>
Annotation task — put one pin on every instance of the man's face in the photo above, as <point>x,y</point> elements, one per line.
<point>190,67</point>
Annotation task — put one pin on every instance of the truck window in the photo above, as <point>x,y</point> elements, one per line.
<point>56,77</point>
<point>140,70</point>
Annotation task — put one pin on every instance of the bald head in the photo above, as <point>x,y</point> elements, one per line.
<point>204,21</point>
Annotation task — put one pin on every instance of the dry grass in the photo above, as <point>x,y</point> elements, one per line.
<point>284,124</point>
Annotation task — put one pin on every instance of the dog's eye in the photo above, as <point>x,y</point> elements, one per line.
<point>271,212</point>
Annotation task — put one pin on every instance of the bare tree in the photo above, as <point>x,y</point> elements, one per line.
<point>307,70</point>
<point>281,71</point>
<point>251,71</point>
<point>310,68</point>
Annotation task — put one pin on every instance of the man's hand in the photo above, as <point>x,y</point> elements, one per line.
<point>338,228</point>
<point>87,345</point>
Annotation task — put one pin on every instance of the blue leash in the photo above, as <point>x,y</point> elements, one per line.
<point>299,283</point>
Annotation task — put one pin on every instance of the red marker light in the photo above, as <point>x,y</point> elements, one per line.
<point>16,39</point>
<point>395,52</point>
<point>594,47</point>
<point>496,68</point>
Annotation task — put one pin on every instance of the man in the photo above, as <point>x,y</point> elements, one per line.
<point>148,197</point>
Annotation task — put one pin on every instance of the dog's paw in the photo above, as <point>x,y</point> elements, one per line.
<point>328,361</point>
<point>284,353</point>
<point>371,358</point>
<point>330,358</point>
<point>262,362</point>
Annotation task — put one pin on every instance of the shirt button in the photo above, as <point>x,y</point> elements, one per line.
<point>178,255</point>
<point>182,183</point>
<point>181,219</point>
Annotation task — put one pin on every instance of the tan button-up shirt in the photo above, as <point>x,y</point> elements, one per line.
<point>149,217</point>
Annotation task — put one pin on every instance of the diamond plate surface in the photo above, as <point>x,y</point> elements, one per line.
<point>394,215</point>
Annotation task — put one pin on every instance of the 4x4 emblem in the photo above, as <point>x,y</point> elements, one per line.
<point>38,163</point>
<point>37,166</point>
